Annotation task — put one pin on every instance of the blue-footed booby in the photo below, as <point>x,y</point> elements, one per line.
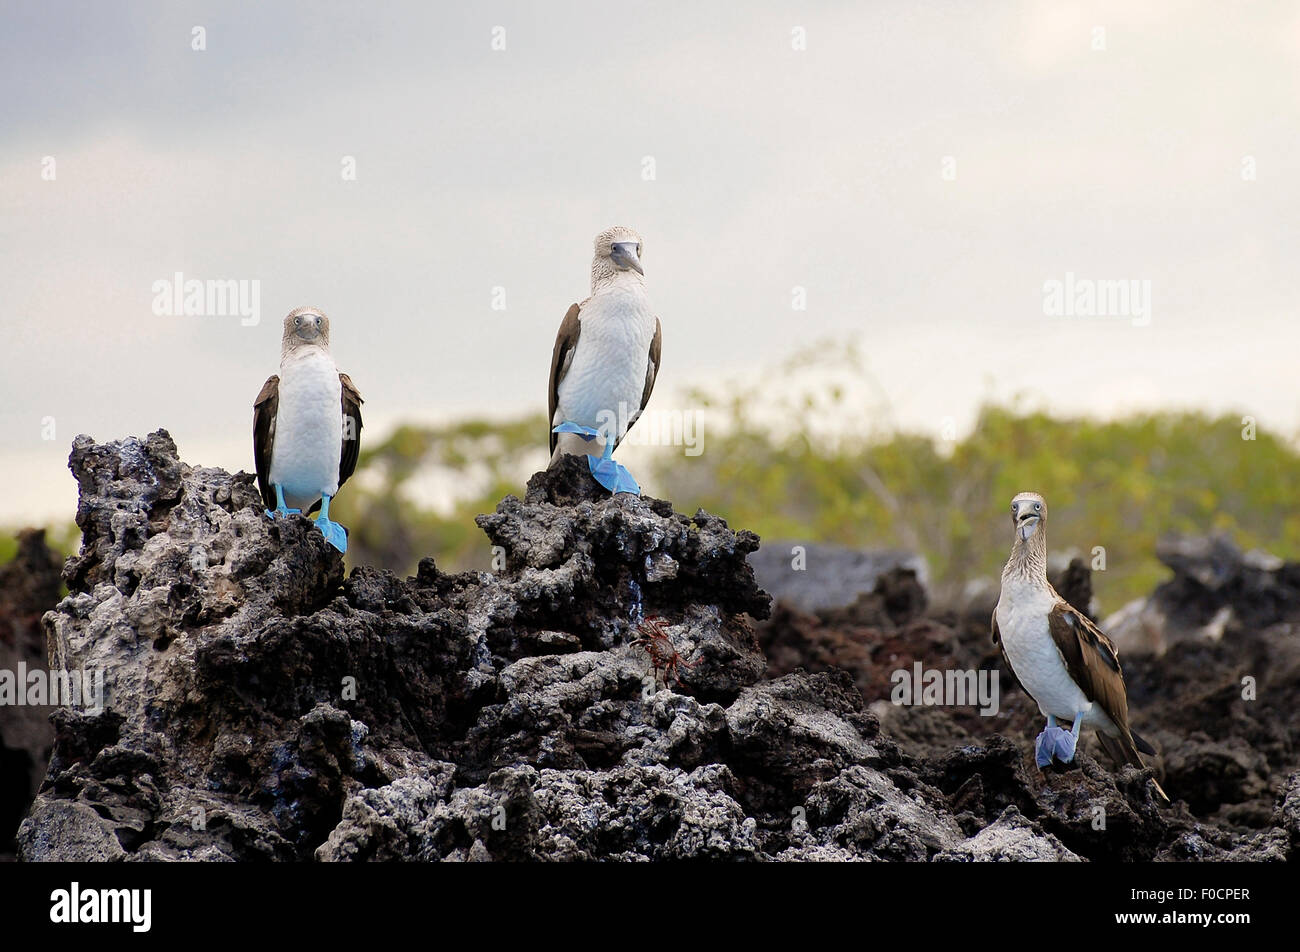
<point>1057,654</point>
<point>306,426</point>
<point>605,361</point>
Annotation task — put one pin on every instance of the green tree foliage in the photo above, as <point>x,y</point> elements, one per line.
<point>64,538</point>
<point>416,493</point>
<point>1119,484</point>
<point>1116,484</point>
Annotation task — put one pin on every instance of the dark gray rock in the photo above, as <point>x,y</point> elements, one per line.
<point>829,576</point>
<point>1217,591</point>
<point>260,705</point>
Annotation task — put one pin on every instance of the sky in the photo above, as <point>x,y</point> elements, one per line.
<point>914,174</point>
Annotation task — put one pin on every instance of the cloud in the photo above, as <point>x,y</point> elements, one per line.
<point>775,168</point>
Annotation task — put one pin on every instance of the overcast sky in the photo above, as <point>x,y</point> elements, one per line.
<point>921,169</point>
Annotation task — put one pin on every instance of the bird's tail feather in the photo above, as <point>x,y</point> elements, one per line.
<point>1140,743</point>
<point>1127,753</point>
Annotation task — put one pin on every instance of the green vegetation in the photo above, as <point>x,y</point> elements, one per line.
<point>63,538</point>
<point>416,494</point>
<point>1119,484</point>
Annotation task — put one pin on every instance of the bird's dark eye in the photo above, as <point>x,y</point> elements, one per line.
<point>1038,506</point>
<point>297,321</point>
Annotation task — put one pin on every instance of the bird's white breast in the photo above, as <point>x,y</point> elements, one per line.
<point>308,428</point>
<point>609,363</point>
<point>1022,623</point>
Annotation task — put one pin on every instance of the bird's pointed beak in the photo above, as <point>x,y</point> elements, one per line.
<point>1026,521</point>
<point>309,329</point>
<point>624,255</point>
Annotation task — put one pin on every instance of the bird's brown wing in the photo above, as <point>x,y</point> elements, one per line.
<point>351,429</point>
<point>264,410</point>
<point>1093,663</point>
<point>1091,659</point>
<point>565,343</point>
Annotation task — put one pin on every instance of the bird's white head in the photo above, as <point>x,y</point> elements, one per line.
<point>618,250</point>
<point>303,327</point>
<point>1028,514</point>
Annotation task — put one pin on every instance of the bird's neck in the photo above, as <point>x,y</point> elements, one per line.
<point>605,276</point>
<point>1028,558</point>
<point>301,350</point>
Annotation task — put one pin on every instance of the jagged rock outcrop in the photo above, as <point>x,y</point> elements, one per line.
<point>1219,710</point>
<point>1217,591</point>
<point>259,704</point>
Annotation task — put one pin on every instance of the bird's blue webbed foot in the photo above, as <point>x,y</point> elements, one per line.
<point>1045,746</point>
<point>1056,743</point>
<point>281,510</point>
<point>605,470</point>
<point>613,475</point>
<point>334,533</point>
